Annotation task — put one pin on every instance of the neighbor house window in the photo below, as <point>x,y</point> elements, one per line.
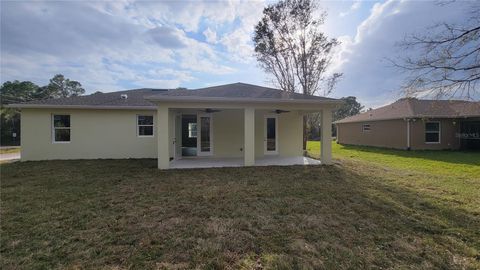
<point>365,127</point>
<point>144,125</point>
<point>61,128</point>
<point>192,130</point>
<point>432,132</point>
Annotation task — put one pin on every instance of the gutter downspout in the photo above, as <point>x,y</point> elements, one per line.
<point>408,134</point>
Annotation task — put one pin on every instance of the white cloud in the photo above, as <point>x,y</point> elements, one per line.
<point>113,45</point>
<point>210,35</point>
<point>121,44</point>
<point>168,37</point>
<point>363,58</point>
<point>355,6</point>
<point>238,45</point>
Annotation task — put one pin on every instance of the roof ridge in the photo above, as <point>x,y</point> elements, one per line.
<point>260,86</point>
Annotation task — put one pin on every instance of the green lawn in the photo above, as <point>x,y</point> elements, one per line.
<point>436,162</point>
<point>365,211</point>
<point>447,175</point>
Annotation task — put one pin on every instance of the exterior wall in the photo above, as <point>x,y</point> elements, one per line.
<point>447,135</point>
<point>94,134</point>
<point>393,134</point>
<point>387,133</point>
<point>113,134</point>
<point>290,133</point>
<point>228,133</point>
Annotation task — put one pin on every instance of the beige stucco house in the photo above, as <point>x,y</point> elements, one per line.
<point>411,123</point>
<point>235,124</point>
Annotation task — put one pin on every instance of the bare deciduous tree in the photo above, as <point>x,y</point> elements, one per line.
<point>447,60</point>
<point>290,45</point>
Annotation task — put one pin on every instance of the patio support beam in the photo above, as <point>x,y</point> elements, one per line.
<point>326,147</point>
<point>162,137</point>
<point>249,137</point>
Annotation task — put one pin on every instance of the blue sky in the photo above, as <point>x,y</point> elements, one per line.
<point>110,46</point>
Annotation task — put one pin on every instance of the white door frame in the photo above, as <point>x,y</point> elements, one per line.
<point>178,136</point>
<point>265,151</point>
<point>199,134</point>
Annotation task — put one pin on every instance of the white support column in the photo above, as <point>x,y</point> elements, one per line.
<point>249,137</point>
<point>326,148</point>
<point>162,137</point>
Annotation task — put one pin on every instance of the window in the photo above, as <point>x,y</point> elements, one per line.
<point>144,125</point>
<point>432,132</point>
<point>192,130</point>
<point>365,127</point>
<point>61,128</point>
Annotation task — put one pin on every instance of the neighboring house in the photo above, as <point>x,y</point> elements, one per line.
<point>411,123</point>
<point>237,124</point>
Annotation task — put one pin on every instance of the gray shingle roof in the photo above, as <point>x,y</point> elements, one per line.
<point>241,90</point>
<point>135,97</point>
<point>417,108</point>
<point>139,97</point>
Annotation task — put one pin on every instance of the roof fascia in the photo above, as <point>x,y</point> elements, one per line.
<point>100,107</point>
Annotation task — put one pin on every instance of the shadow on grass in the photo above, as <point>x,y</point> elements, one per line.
<point>448,156</point>
<point>124,213</point>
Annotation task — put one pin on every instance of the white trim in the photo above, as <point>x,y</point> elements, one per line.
<point>439,132</point>
<point>54,128</point>
<point>178,136</point>
<point>199,134</point>
<point>92,107</point>
<point>152,125</point>
<point>265,151</point>
<point>189,99</point>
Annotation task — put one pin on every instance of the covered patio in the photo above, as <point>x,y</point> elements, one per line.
<point>238,125</point>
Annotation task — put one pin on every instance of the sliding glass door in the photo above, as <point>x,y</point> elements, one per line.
<point>270,135</point>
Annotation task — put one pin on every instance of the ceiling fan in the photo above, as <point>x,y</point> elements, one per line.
<point>280,111</point>
<point>208,110</point>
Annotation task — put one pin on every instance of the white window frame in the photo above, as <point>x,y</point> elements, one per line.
<point>55,128</point>
<point>199,135</point>
<point>152,125</point>
<point>265,119</point>
<point>366,130</point>
<point>439,132</point>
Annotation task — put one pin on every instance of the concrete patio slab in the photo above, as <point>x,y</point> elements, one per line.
<point>208,162</point>
<point>10,157</point>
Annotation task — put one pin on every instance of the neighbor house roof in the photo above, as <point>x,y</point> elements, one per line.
<point>417,108</point>
<point>142,98</point>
